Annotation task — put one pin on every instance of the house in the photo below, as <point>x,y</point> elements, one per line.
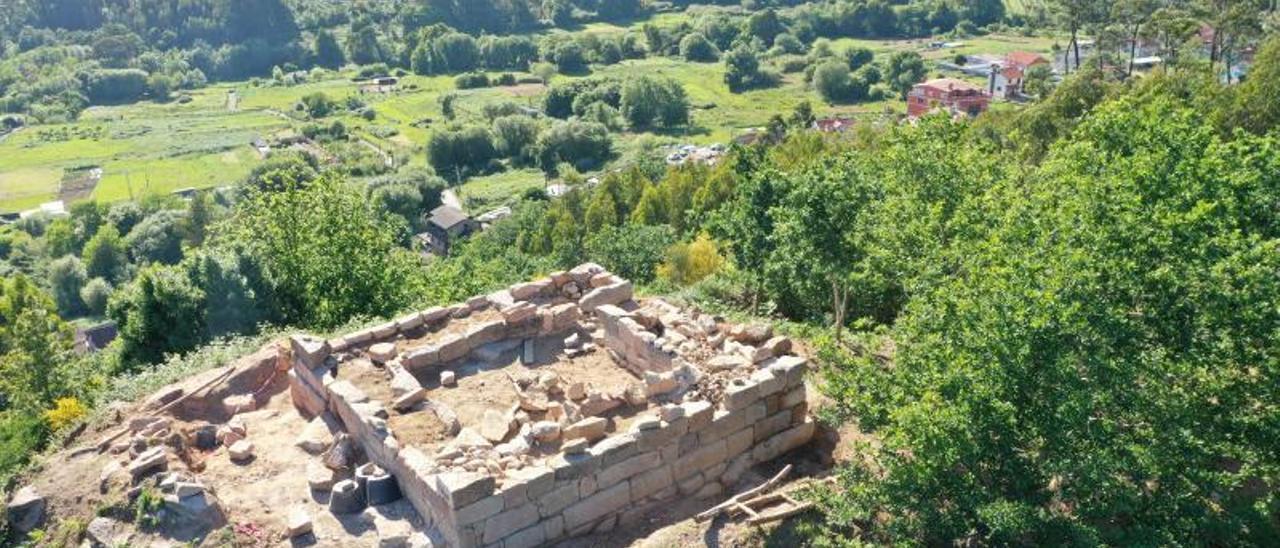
<point>833,125</point>
<point>56,208</point>
<point>1007,81</point>
<point>955,96</point>
<point>446,225</point>
<point>94,338</point>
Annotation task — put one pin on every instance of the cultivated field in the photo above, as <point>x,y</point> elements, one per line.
<point>150,148</point>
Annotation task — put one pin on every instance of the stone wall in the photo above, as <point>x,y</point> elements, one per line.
<point>691,448</point>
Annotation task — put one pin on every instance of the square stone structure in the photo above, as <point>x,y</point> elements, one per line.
<point>556,407</point>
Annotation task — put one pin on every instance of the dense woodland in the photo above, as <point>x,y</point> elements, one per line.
<point>1055,325</point>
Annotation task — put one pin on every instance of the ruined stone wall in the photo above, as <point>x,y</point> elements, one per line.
<point>693,448</point>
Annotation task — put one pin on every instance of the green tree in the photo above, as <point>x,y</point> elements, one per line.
<point>35,346</point>
<point>318,105</point>
<point>328,53</point>
<point>651,210</point>
<point>602,211</point>
<point>104,255</point>
<point>631,251</point>
<point>904,70</point>
<point>649,101</point>
<point>161,312</point>
<point>96,294</point>
<point>199,216</point>
<point>330,255</point>
<point>742,68</point>
<point>1100,341</point>
<point>158,238</point>
<point>1257,107</point>
<point>66,278</point>
<point>695,47</point>
<point>746,224</point>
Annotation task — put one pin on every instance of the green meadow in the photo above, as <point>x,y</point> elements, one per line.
<point>149,148</point>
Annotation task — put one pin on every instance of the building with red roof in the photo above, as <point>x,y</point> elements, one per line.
<point>950,94</point>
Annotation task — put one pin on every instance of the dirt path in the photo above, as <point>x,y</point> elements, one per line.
<point>450,198</point>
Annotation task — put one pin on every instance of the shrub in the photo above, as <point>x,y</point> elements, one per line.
<point>687,263</point>
<point>471,80</point>
<point>95,295</point>
<point>695,47</point>
<point>66,412</point>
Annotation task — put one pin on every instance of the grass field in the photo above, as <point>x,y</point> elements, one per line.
<point>148,148</point>
<point>479,194</point>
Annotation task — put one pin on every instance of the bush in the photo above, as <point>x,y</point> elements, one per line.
<point>631,251</point>
<point>21,436</point>
<point>460,148</point>
<point>65,412</point>
<point>687,263</point>
<point>695,47</point>
<point>471,80</point>
<point>318,105</point>
<point>506,79</point>
<point>582,144</point>
<point>95,295</point>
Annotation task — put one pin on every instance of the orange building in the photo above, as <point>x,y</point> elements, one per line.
<point>955,96</point>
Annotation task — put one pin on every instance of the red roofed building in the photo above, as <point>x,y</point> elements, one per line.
<point>955,96</point>
<point>1014,70</point>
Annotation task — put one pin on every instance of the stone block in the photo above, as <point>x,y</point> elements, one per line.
<point>572,467</point>
<point>556,500</point>
<point>591,429</point>
<point>478,303</point>
<point>615,449</point>
<point>699,413</point>
<point>767,382</point>
<point>528,290</point>
<point>384,331</point>
<point>739,394</point>
<point>409,322</point>
<point>148,462</point>
<point>299,522</point>
<point>583,273</point>
<point>623,470</point>
<point>554,527</point>
<point>733,472</point>
<point>500,526</point>
<point>487,332</point>
<point>740,441</point>
<point>599,505</point>
<point>382,352</point>
<point>480,510</point>
<point>526,538</point>
<point>793,397</point>
<point>309,351</point>
<point>357,338</point>
<point>649,482</point>
<point>422,356</point>
<point>756,412</point>
<point>791,368</point>
<point>700,459</point>
<point>435,314</point>
<point>519,313</point>
<point>452,347</point>
<point>610,294</point>
<point>26,510</point>
<point>463,488</point>
<point>347,392</point>
<point>690,485</point>
<point>784,441</point>
<point>306,399</point>
<point>771,425</point>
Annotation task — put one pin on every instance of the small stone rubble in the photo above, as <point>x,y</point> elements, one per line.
<point>695,403</point>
